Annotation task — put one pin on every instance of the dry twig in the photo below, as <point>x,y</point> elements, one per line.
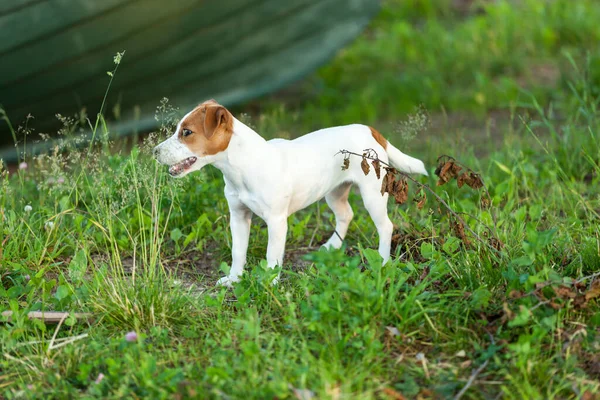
<point>471,380</point>
<point>372,155</point>
<point>50,317</point>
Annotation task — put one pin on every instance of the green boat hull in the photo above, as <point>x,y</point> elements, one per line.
<point>58,53</point>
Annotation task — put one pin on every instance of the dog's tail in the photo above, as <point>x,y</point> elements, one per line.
<point>403,162</point>
<point>398,159</point>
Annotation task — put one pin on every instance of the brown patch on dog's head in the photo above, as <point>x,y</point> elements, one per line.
<point>207,129</point>
<point>379,138</point>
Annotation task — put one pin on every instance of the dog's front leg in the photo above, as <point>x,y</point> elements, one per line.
<point>277,227</point>
<point>241,218</point>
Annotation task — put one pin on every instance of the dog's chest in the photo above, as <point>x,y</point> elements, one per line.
<point>257,205</point>
<point>254,200</point>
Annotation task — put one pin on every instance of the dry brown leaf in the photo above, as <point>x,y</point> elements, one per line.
<point>588,395</point>
<point>346,164</point>
<point>580,302</point>
<point>554,305</point>
<point>447,171</point>
<point>400,191</point>
<point>391,393</point>
<point>424,273</point>
<point>580,285</point>
<point>425,394</point>
<point>365,166</point>
<point>422,201</point>
<point>459,231</point>
<point>391,183</point>
<point>377,167</point>
<point>460,181</point>
<point>495,243</point>
<point>470,179</point>
<point>594,291</point>
<point>485,203</point>
<point>515,294</point>
<point>438,169</point>
<point>475,181</point>
<point>564,292</point>
<point>384,183</point>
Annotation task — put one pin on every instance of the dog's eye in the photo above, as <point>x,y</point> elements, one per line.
<point>186,132</point>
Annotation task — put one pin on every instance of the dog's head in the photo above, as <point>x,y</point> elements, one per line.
<point>200,136</point>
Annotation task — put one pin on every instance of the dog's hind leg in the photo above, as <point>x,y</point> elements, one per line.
<point>337,200</point>
<point>376,205</point>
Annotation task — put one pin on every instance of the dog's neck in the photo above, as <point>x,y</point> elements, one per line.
<point>246,148</point>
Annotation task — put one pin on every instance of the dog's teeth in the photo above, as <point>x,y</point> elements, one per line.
<point>175,170</point>
<point>182,165</point>
<point>187,163</point>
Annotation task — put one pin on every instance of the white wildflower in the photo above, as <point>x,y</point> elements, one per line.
<point>118,57</point>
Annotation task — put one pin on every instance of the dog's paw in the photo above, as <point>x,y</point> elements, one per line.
<point>275,281</point>
<point>228,281</point>
<point>332,244</point>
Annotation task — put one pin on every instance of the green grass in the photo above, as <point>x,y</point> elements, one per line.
<point>109,233</point>
<point>449,59</point>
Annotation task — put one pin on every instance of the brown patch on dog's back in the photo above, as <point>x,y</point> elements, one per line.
<point>379,137</point>
<point>212,127</point>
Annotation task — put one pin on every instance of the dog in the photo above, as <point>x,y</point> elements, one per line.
<point>275,178</point>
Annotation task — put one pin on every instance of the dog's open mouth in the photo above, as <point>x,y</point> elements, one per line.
<point>181,166</point>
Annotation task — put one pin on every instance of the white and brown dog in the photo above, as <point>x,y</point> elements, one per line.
<point>276,178</point>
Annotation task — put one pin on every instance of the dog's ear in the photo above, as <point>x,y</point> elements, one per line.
<point>216,117</point>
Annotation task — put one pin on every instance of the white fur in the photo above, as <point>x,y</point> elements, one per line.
<point>276,178</point>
